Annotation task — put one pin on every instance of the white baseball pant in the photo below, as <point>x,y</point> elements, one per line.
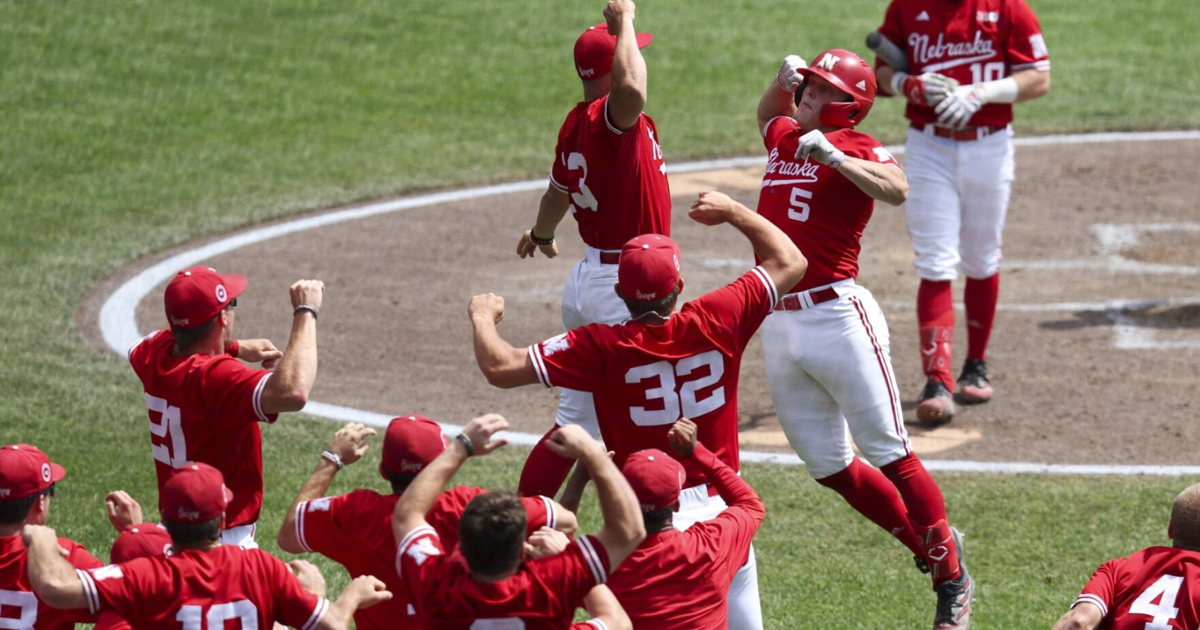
<point>589,297</point>
<point>745,610</point>
<point>829,369</point>
<point>958,194</point>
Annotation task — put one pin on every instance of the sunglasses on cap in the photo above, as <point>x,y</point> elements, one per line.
<point>232,304</point>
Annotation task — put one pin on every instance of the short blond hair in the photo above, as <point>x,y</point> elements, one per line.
<point>1185,518</point>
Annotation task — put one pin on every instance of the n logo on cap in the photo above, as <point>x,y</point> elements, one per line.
<point>828,62</point>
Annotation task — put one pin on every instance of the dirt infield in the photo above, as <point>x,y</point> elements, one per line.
<point>1089,226</point>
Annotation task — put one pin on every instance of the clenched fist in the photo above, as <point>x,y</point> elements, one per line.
<point>789,77</point>
<point>487,306</point>
<point>310,292</point>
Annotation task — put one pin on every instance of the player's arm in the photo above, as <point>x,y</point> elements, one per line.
<point>348,446</point>
<point>551,211</point>
<point>502,365</point>
<point>961,104</point>
<point>51,576</point>
<point>424,490</point>
<point>780,257</point>
<point>288,388</point>
<point>883,182</point>
<point>365,591</point>
<point>732,488</point>
<point>601,604</point>
<point>627,94</point>
<point>780,97</point>
<point>1083,616</point>
<point>623,528</point>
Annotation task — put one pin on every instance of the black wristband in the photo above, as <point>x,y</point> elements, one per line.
<point>540,241</point>
<point>304,307</point>
<point>466,442</point>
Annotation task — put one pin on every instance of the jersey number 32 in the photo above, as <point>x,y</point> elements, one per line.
<point>682,401</point>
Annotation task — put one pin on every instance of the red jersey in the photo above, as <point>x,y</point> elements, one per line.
<point>1158,587</point>
<point>542,595</point>
<point>19,605</point>
<point>355,530</point>
<point>205,409</point>
<point>971,41</point>
<point>198,590</point>
<point>646,377</point>
<point>616,180</point>
<point>680,580</point>
<point>821,210</point>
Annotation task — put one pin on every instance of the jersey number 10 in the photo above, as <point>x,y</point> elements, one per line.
<point>682,403</point>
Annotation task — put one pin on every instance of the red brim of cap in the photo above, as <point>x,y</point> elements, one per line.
<point>234,284</point>
<point>644,39</point>
<point>57,473</point>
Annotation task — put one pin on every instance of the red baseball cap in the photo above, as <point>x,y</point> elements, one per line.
<point>146,540</point>
<point>195,493</point>
<point>411,442</point>
<point>26,471</point>
<point>594,51</point>
<point>656,478</point>
<point>198,294</point>
<point>649,267</point>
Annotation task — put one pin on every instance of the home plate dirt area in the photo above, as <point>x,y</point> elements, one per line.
<point>1094,356</point>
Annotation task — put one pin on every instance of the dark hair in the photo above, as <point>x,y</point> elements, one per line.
<point>491,533</point>
<point>187,337</point>
<point>399,481</point>
<point>663,308</point>
<point>658,520</point>
<point>16,511</point>
<point>188,535</point>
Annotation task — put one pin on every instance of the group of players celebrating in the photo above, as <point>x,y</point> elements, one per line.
<point>657,381</point>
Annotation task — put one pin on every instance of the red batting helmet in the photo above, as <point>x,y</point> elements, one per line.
<point>849,73</point>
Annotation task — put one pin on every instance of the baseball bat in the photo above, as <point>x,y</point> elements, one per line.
<point>890,53</point>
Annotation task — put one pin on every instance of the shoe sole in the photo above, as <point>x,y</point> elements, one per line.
<point>935,412</point>
<point>965,397</point>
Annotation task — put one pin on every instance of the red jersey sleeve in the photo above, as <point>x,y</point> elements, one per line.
<point>78,555</point>
<point>1102,588</point>
<point>446,512</point>
<point>294,606</point>
<point>734,312</point>
<point>776,129</point>
<point>730,533</point>
<point>234,390</point>
<point>1026,46</point>
<point>419,560</point>
<point>327,524</point>
<point>539,512</point>
<point>558,170</point>
<point>590,624</point>
<point>893,30</point>
<point>572,359</point>
<point>575,571</point>
<point>864,147</point>
<point>122,588</point>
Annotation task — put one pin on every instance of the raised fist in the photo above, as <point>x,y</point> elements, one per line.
<point>310,292</point>
<point>789,77</point>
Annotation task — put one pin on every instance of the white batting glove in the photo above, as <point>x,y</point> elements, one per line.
<point>789,77</point>
<point>956,108</point>
<point>937,86</point>
<point>814,144</point>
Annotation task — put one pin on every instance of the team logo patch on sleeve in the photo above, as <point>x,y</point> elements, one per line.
<point>883,155</point>
<point>423,550</point>
<point>319,505</point>
<point>557,343</point>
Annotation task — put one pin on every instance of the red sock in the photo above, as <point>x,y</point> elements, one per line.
<point>980,298</point>
<point>935,315</point>
<point>544,471</point>
<point>869,492</point>
<point>927,515</point>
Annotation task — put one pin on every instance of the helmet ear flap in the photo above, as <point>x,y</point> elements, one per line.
<point>800,92</point>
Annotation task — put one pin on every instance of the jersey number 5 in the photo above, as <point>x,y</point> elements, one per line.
<point>584,199</point>
<point>169,423</point>
<point>26,613</point>
<point>1165,590</point>
<point>684,402</point>
<point>798,210</point>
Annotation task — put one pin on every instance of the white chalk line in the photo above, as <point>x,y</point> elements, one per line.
<point>118,315</point>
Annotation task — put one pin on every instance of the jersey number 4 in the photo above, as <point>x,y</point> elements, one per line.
<point>1165,590</point>
<point>169,423</point>
<point>684,402</point>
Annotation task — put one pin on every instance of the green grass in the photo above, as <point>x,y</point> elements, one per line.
<point>127,127</point>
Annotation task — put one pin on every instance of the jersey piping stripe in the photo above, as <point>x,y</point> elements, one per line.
<point>555,184</point>
<point>300,510</point>
<point>404,544</point>
<point>767,126</point>
<point>897,415</point>
<point>597,623</point>
<point>608,122</point>
<point>317,615</point>
<point>551,513</point>
<point>535,356</point>
<point>1041,66</point>
<point>1093,600</point>
<point>769,284</point>
<point>592,559</point>
<point>258,410</point>
<point>89,591</point>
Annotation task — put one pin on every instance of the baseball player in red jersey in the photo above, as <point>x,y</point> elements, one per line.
<point>1153,589</point>
<point>204,584</point>
<point>680,579</point>
<point>661,365</point>
<point>27,481</point>
<point>204,404</point>
<point>355,529</point>
<point>968,62</point>
<point>485,582</point>
<point>827,349</point>
<point>608,169</point>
